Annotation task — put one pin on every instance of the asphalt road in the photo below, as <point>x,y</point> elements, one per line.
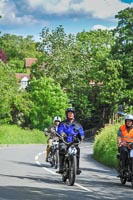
<point>24,175</point>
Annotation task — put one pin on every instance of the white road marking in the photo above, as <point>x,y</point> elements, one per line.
<point>38,163</point>
<point>82,187</point>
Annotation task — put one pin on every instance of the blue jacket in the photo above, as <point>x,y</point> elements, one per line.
<point>70,129</point>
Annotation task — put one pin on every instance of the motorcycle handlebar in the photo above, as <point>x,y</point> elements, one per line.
<point>68,143</point>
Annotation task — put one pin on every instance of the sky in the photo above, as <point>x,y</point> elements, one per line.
<point>29,17</point>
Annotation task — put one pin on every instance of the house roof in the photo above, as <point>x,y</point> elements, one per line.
<point>29,62</point>
<point>20,76</point>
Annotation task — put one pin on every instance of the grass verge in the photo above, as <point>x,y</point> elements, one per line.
<point>12,134</point>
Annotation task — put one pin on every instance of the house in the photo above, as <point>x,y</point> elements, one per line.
<point>28,62</point>
<point>23,78</point>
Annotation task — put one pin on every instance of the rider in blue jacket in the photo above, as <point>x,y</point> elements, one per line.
<point>69,128</point>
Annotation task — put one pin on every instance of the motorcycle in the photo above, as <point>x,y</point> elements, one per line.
<point>70,162</point>
<point>127,175</point>
<point>53,157</point>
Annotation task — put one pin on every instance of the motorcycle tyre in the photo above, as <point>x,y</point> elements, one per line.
<point>72,170</point>
<point>56,159</point>
<point>65,172</point>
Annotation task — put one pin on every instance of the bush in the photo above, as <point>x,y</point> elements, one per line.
<point>105,146</point>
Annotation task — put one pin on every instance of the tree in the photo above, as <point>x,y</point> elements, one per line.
<point>21,108</point>
<point>17,48</point>
<point>76,61</point>
<point>123,50</point>
<point>57,55</point>
<point>8,87</point>
<point>97,66</point>
<point>48,101</point>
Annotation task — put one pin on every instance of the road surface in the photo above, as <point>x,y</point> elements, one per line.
<point>24,175</point>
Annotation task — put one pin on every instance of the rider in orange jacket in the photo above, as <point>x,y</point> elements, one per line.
<point>125,135</point>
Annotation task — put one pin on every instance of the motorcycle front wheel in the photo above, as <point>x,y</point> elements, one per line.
<point>72,170</point>
<point>51,158</point>
<point>65,171</point>
<point>56,159</point>
<point>123,179</point>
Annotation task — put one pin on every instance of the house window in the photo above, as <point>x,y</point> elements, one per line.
<point>24,82</point>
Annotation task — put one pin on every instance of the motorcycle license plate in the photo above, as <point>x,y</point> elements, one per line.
<point>131,153</point>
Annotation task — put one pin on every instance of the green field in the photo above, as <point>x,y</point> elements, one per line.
<point>12,134</point>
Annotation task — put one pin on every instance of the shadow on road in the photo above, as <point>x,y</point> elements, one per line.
<point>36,193</point>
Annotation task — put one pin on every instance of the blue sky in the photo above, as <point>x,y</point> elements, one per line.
<point>29,17</point>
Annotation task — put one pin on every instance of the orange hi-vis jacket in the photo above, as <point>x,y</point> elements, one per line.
<point>126,136</point>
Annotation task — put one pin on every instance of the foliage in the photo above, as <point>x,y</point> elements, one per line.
<point>56,60</point>
<point>105,146</point>
<point>17,48</point>
<point>123,50</point>
<point>17,65</point>
<point>102,71</point>
<point>74,62</point>
<point>12,134</point>
<point>48,101</point>
<point>14,105</point>
<point>8,87</point>
<point>20,108</point>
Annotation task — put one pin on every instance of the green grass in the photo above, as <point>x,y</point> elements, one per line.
<point>12,134</point>
<point>105,146</point>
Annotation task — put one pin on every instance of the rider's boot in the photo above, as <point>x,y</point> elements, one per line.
<point>78,169</point>
<point>60,165</point>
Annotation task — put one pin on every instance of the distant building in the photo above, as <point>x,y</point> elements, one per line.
<point>23,78</point>
<point>28,62</point>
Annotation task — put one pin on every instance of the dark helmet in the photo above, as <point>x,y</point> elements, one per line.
<point>70,110</point>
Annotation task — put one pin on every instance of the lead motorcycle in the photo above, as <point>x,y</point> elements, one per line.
<point>70,162</point>
<point>127,175</point>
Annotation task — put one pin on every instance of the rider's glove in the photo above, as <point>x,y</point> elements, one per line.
<point>123,143</point>
<point>46,132</point>
<point>52,130</point>
<point>76,140</point>
<point>63,134</point>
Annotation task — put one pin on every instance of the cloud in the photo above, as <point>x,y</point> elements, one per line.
<point>96,8</point>
<point>39,12</point>
<point>10,15</point>
<point>98,26</point>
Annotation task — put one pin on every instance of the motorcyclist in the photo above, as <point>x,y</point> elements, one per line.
<point>70,128</point>
<point>51,132</point>
<point>125,135</point>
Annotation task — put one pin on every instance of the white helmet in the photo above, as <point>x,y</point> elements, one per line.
<point>57,118</point>
<point>129,117</point>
